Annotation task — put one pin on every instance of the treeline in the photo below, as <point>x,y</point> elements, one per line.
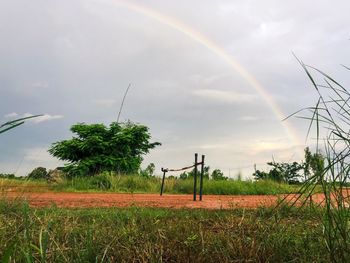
<point>294,173</point>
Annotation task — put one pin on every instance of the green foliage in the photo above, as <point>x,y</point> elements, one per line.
<point>23,184</point>
<point>117,183</point>
<point>230,187</point>
<point>148,171</point>
<point>7,176</point>
<point>114,182</point>
<point>314,164</point>
<point>281,172</point>
<point>140,184</point>
<point>286,172</point>
<point>38,173</point>
<point>183,175</point>
<point>157,235</point>
<point>186,175</point>
<point>291,172</point>
<point>218,175</point>
<point>101,182</point>
<point>97,148</point>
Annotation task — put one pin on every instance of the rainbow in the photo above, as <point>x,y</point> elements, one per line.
<point>213,47</point>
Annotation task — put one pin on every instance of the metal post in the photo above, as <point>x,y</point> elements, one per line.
<point>195,177</point>
<point>161,189</point>
<point>201,180</point>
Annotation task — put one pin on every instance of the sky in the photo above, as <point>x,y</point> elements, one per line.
<point>212,77</point>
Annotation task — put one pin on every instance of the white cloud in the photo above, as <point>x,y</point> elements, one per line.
<point>86,53</point>
<point>47,117</point>
<point>280,147</point>
<point>11,115</point>
<point>44,117</point>
<point>225,96</point>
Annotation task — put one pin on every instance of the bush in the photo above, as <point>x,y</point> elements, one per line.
<point>38,173</point>
<point>148,171</point>
<point>218,175</point>
<point>7,176</point>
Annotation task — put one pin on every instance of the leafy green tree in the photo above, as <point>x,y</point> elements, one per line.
<point>261,175</point>
<point>97,148</point>
<point>292,172</point>
<point>286,172</point>
<point>190,174</point>
<point>281,172</point>
<point>148,171</point>
<point>183,175</point>
<point>218,175</point>
<point>7,176</point>
<point>38,173</point>
<point>314,164</point>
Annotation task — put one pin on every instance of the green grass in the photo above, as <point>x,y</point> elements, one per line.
<point>23,185</point>
<point>138,184</point>
<point>234,187</point>
<point>158,235</point>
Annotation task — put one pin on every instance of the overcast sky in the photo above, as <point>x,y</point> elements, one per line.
<point>73,59</point>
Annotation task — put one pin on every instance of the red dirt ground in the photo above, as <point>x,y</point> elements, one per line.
<point>84,200</point>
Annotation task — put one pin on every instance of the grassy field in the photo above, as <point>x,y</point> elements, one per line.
<point>158,235</point>
<point>23,185</point>
<point>138,184</point>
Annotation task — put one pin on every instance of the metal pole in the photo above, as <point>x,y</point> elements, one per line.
<point>161,189</point>
<point>201,182</point>
<point>195,177</point>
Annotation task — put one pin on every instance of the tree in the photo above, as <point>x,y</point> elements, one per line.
<point>314,164</point>
<point>286,172</point>
<point>218,175</point>
<point>7,176</point>
<point>185,175</point>
<point>148,171</point>
<point>261,175</point>
<point>281,172</point>
<point>97,148</point>
<point>38,173</point>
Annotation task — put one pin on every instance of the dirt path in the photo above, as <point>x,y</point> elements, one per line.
<point>145,200</point>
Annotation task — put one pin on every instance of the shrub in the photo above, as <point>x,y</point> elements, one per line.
<point>217,174</point>
<point>38,173</point>
<point>148,171</point>
<point>7,176</point>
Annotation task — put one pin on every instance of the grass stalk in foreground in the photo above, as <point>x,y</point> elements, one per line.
<point>331,119</point>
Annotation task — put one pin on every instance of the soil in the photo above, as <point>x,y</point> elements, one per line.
<point>86,200</point>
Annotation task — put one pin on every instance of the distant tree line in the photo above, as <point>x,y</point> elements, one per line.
<point>294,172</point>
<point>216,174</point>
